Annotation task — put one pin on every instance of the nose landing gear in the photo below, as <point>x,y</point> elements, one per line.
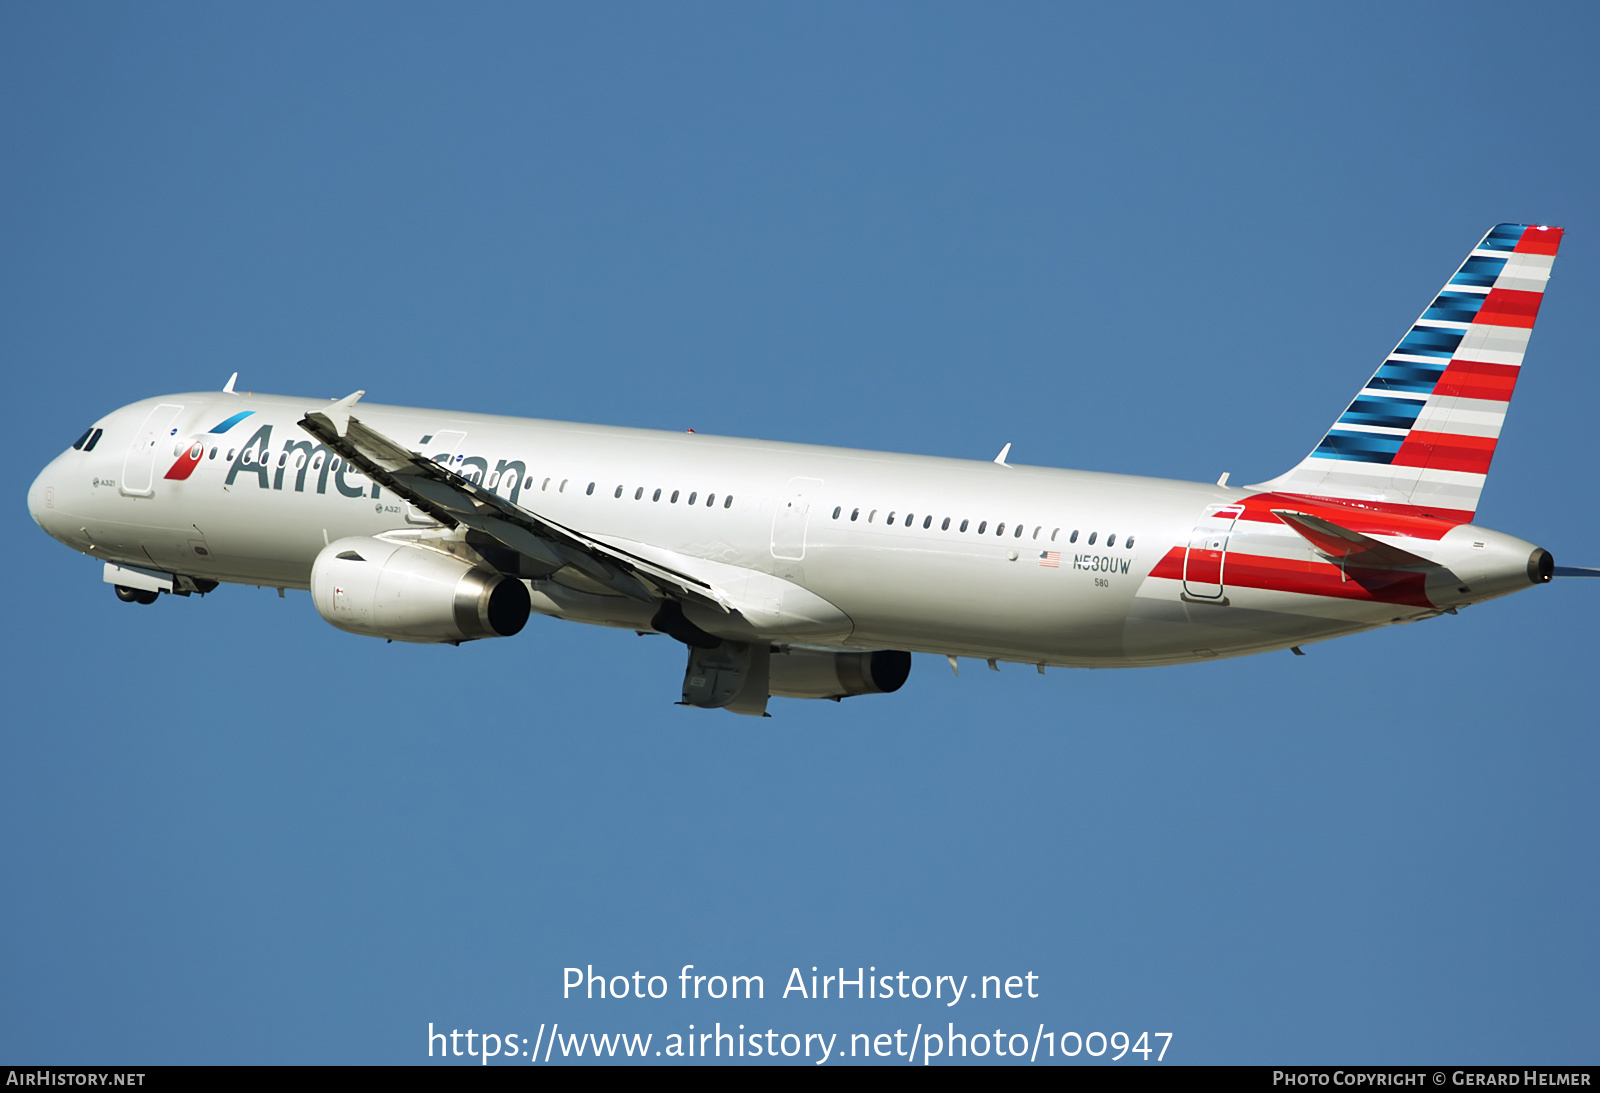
<point>135,595</point>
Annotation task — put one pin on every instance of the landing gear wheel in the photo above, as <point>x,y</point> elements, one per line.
<point>135,595</point>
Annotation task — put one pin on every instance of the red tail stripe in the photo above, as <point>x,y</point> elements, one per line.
<point>1535,241</point>
<point>1478,379</point>
<point>1509,307</point>
<point>1446,452</point>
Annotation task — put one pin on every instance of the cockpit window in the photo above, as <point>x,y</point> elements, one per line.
<point>77,445</point>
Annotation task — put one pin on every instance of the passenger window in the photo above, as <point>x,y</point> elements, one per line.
<point>1111,540</point>
<point>590,490</point>
<point>1036,532</point>
<point>909,518</point>
<point>1054,533</point>
<point>890,521</point>
<point>983,526</point>
<point>1092,534</point>
<point>927,521</point>
<point>836,511</point>
<point>692,495</point>
<point>853,514</point>
<point>656,496</point>
<point>1000,528</point>
<point>544,485</point>
<point>963,525</point>
<point>1129,544</point>
<point>563,487</point>
<point>619,492</point>
<point>674,498</point>
<point>710,497</point>
<point>871,514</point>
<point>946,525</point>
<point>213,455</point>
<point>1073,538</point>
<point>1018,533</point>
<point>528,485</point>
<point>727,502</point>
<point>638,493</point>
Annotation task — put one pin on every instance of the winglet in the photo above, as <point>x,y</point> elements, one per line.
<point>337,416</point>
<point>1001,458</point>
<point>227,388</point>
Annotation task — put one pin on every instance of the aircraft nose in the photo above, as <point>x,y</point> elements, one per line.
<point>43,502</point>
<point>41,499</point>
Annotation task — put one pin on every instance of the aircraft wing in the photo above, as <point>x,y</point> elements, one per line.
<point>1350,547</point>
<point>457,502</point>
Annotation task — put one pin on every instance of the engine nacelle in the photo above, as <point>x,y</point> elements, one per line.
<point>817,673</point>
<point>410,593</point>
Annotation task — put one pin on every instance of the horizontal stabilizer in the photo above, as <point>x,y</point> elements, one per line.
<point>1576,571</point>
<point>1349,547</point>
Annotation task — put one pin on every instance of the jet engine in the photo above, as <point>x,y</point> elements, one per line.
<point>410,593</point>
<point>818,673</point>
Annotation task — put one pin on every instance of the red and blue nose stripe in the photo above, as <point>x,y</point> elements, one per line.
<point>195,452</point>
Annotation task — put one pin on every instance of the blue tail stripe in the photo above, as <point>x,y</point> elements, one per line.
<point>1503,237</point>
<point>1454,307</point>
<point>1479,271</point>
<point>1389,413</point>
<point>1408,376</point>
<point>1427,341</point>
<point>1362,447</point>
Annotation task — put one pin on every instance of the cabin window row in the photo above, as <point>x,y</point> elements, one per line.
<point>1001,528</point>
<point>671,498</point>
<point>493,480</point>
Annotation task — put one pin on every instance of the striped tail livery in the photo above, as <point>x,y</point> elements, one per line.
<point>1419,437</point>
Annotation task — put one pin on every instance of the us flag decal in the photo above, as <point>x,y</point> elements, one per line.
<point>1051,559</point>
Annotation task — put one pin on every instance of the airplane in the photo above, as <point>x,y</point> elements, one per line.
<point>815,572</point>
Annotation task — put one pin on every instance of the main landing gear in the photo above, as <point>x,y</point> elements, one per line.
<point>135,595</point>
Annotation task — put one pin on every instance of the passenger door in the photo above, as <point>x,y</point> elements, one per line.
<point>1206,558</point>
<point>789,522</point>
<point>139,466</point>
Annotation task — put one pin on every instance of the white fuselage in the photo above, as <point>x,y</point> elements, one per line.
<point>879,537</point>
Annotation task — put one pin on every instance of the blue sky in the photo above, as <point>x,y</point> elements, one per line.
<point>1157,239</point>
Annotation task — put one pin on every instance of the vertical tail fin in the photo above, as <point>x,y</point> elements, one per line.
<point>1420,435</point>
